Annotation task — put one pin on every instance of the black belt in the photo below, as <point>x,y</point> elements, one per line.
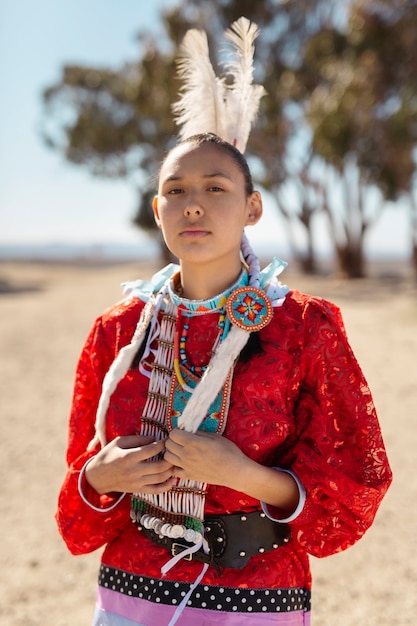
<point>233,539</point>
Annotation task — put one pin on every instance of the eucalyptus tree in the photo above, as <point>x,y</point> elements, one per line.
<point>361,108</point>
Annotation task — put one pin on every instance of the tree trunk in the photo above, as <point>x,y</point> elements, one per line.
<point>414,259</point>
<point>308,261</point>
<point>413,200</point>
<point>351,261</point>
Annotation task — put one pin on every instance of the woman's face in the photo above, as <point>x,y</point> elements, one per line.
<point>202,207</point>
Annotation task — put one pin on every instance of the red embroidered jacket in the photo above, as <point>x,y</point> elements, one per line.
<point>300,403</point>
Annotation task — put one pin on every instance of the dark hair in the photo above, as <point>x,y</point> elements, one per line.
<point>227,147</point>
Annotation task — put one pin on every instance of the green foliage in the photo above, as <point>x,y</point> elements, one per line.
<point>113,121</point>
<point>363,96</point>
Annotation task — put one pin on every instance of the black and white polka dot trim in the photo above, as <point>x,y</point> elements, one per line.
<point>210,597</point>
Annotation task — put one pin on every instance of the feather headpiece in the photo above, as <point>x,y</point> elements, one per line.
<point>209,103</point>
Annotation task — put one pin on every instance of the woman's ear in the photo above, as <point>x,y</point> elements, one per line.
<point>155,210</point>
<point>254,208</point>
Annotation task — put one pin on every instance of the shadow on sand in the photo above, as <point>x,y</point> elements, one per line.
<point>11,288</point>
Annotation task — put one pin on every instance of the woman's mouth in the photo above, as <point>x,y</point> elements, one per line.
<point>194,233</point>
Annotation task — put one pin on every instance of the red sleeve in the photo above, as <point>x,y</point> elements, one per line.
<point>83,528</point>
<point>338,453</point>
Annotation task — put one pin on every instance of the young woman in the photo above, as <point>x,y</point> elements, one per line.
<point>235,432</point>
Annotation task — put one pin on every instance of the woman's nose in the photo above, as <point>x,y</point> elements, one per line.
<point>193,208</point>
<point>190,211</point>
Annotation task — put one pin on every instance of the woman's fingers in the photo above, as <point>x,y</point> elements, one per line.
<point>126,465</point>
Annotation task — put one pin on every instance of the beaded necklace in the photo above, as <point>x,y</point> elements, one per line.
<point>188,308</point>
<point>180,339</point>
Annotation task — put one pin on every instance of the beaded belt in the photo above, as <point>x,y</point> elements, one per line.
<point>233,539</point>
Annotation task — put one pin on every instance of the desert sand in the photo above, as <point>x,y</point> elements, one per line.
<point>46,311</point>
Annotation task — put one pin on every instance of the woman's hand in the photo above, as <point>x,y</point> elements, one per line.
<point>123,466</point>
<point>205,457</point>
<point>213,459</point>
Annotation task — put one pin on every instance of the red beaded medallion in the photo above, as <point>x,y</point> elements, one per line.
<point>249,308</point>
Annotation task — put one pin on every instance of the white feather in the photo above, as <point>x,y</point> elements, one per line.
<point>207,103</point>
<point>242,97</point>
<point>120,366</point>
<point>200,107</point>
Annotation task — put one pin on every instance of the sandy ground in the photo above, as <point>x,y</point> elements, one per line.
<point>46,311</point>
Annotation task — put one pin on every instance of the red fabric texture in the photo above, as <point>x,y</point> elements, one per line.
<point>300,403</point>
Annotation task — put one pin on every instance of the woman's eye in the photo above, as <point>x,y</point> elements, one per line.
<point>174,192</point>
<point>215,188</point>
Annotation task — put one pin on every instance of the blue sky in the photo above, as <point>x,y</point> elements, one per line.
<point>43,199</point>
